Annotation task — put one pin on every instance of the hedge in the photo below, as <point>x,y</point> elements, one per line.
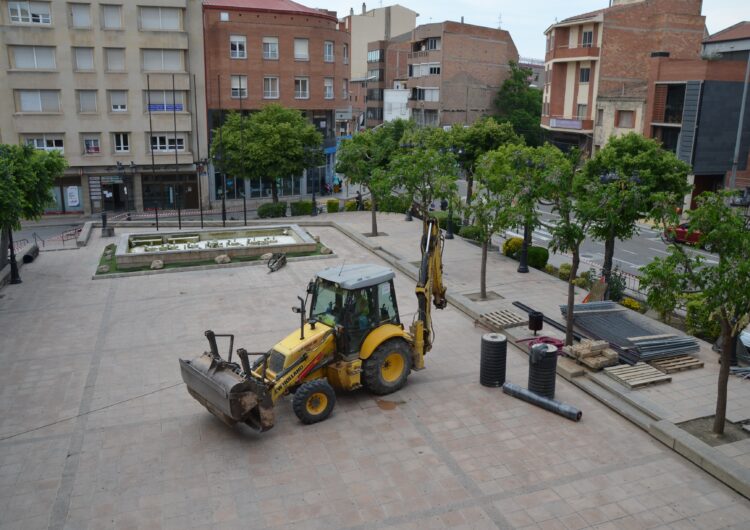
<point>698,320</point>
<point>470,232</point>
<point>512,246</point>
<point>394,204</point>
<point>272,209</point>
<point>332,205</point>
<point>564,271</point>
<point>301,208</point>
<point>537,257</point>
<point>442,219</point>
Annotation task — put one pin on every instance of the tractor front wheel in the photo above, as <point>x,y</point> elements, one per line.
<point>386,370</point>
<point>314,401</point>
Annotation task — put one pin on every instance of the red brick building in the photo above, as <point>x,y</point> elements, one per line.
<point>597,66</point>
<point>259,52</point>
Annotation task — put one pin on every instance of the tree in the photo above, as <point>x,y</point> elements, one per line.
<point>520,104</point>
<point>630,179</point>
<point>723,287</point>
<point>26,179</point>
<point>424,168</point>
<point>270,144</point>
<point>470,143</point>
<point>569,232</point>
<point>365,157</point>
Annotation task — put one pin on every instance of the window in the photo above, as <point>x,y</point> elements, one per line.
<point>162,60</point>
<point>160,18</point>
<point>300,50</point>
<point>91,144</point>
<point>121,142</point>
<point>346,54</point>
<point>270,87</point>
<point>587,39</point>
<point>583,111</point>
<point>118,100</point>
<point>80,15</point>
<point>239,86</point>
<point>224,16</point>
<point>33,57</point>
<point>426,94</point>
<point>301,88</point>
<point>419,70</point>
<point>374,113</point>
<point>270,47</point>
<point>375,75</point>
<point>433,43</point>
<point>433,69</point>
<point>584,75</point>
<point>29,12</point>
<point>115,59</point>
<point>87,101</point>
<point>111,17</point>
<point>46,142</point>
<point>328,51</point>
<point>166,142</point>
<point>162,101</point>
<point>374,56</point>
<point>38,100</point>
<point>83,58</point>
<point>599,116</point>
<point>237,47</point>
<point>625,119</point>
<point>345,89</point>
<point>328,88</point>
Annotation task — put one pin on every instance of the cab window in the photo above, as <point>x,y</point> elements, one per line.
<point>328,304</point>
<point>386,303</point>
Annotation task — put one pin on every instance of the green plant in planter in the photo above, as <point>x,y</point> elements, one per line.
<point>470,232</point>
<point>631,303</point>
<point>564,271</point>
<point>550,269</point>
<point>537,257</point>
<point>332,205</point>
<point>512,246</point>
<point>272,209</point>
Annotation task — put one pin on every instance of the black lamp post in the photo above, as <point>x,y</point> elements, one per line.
<point>316,179</point>
<point>223,199</point>
<point>15,278</point>
<point>449,231</point>
<point>523,264</point>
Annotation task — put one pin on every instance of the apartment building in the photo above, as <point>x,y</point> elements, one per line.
<point>261,52</point>
<point>385,80</point>
<point>694,109</point>
<point>380,24</point>
<point>597,66</point>
<point>81,78</point>
<point>452,72</point>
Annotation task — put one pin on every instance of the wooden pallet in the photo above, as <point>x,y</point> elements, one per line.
<point>502,319</point>
<point>637,376</point>
<point>677,364</point>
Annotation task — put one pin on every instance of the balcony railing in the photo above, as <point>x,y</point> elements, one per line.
<point>414,55</point>
<point>571,123</point>
<point>579,52</point>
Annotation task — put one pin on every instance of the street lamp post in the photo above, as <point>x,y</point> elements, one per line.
<point>316,179</point>
<point>523,262</point>
<point>449,231</point>
<point>15,278</point>
<point>223,199</point>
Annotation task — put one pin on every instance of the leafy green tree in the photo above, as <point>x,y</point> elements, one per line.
<point>470,143</point>
<point>723,288</point>
<point>630,179</point>
<point>364,159</point>
<point>424,168</point>
<point>520,104</point>
<point>271,144</point>
<point>26,179</point>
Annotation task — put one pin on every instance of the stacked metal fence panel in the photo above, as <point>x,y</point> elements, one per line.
<point>634,336</point>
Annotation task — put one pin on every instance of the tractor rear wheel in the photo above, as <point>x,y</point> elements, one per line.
<point>386,370</point>
<point>313,401</point>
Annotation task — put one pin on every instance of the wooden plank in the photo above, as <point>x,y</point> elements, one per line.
<point>503,319</point>
<point>637,376</point>
<point>679,363</point>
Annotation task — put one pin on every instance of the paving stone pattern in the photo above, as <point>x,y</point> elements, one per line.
<point>450,454</point>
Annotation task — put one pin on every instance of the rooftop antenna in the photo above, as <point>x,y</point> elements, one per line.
<point>342,267</point>
<point>500,21</point>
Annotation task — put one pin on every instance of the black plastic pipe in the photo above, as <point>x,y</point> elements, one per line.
<point>552,405</point>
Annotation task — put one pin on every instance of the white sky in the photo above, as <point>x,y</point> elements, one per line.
<point>526,20</point>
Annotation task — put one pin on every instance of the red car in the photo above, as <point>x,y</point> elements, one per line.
<point>682,234</point>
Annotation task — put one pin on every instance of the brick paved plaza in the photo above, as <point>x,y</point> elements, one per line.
<point>444,452</point>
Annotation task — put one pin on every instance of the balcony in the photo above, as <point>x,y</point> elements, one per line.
<point>563,53</point>
<point>571,123</point>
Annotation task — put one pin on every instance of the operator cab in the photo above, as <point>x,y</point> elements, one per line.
<point>354,300</point>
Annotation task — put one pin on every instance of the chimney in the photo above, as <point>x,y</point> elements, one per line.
<point>462,20</point>
<point>351,11</point>
<point>364,8</point>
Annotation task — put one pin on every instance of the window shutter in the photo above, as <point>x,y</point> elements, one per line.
<point>23,57</point>
<point>115,59</point>
<point>81,15</point>
<point>111,17</point>
<point>50,100</point>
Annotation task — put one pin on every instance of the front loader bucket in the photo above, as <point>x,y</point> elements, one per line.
<point>221,388</point>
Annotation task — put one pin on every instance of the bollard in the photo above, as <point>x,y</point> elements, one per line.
<point>542,369</point>
<point>536,321</point>
<point>493,359</point>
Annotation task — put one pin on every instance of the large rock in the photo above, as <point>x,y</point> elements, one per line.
<point>267,256</point>
<point>222,258</point>
<point>157,264</point>
<point>101,269</point>
<point>326,250</point>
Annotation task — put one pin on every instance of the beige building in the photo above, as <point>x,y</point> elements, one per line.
<point>76,75</point>
<point>382,23</point>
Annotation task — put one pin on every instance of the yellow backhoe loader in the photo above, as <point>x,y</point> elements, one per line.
<point>352,337</point>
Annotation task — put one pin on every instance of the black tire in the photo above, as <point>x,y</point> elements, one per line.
<point>313,401</point>
<point>375,372</point>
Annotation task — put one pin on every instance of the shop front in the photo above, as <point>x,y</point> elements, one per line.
<point>166,191</point>
<point>67,195</point>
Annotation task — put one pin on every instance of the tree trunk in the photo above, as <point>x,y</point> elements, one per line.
<point>571,296</point>
<point>721,396</point>
<point>4,247</point>
<point>483,273</point>
<point>609,254</point>
<point>274,191</point>
<point>374,208</point>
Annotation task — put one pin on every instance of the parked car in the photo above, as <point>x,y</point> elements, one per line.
<point>682,234</point>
